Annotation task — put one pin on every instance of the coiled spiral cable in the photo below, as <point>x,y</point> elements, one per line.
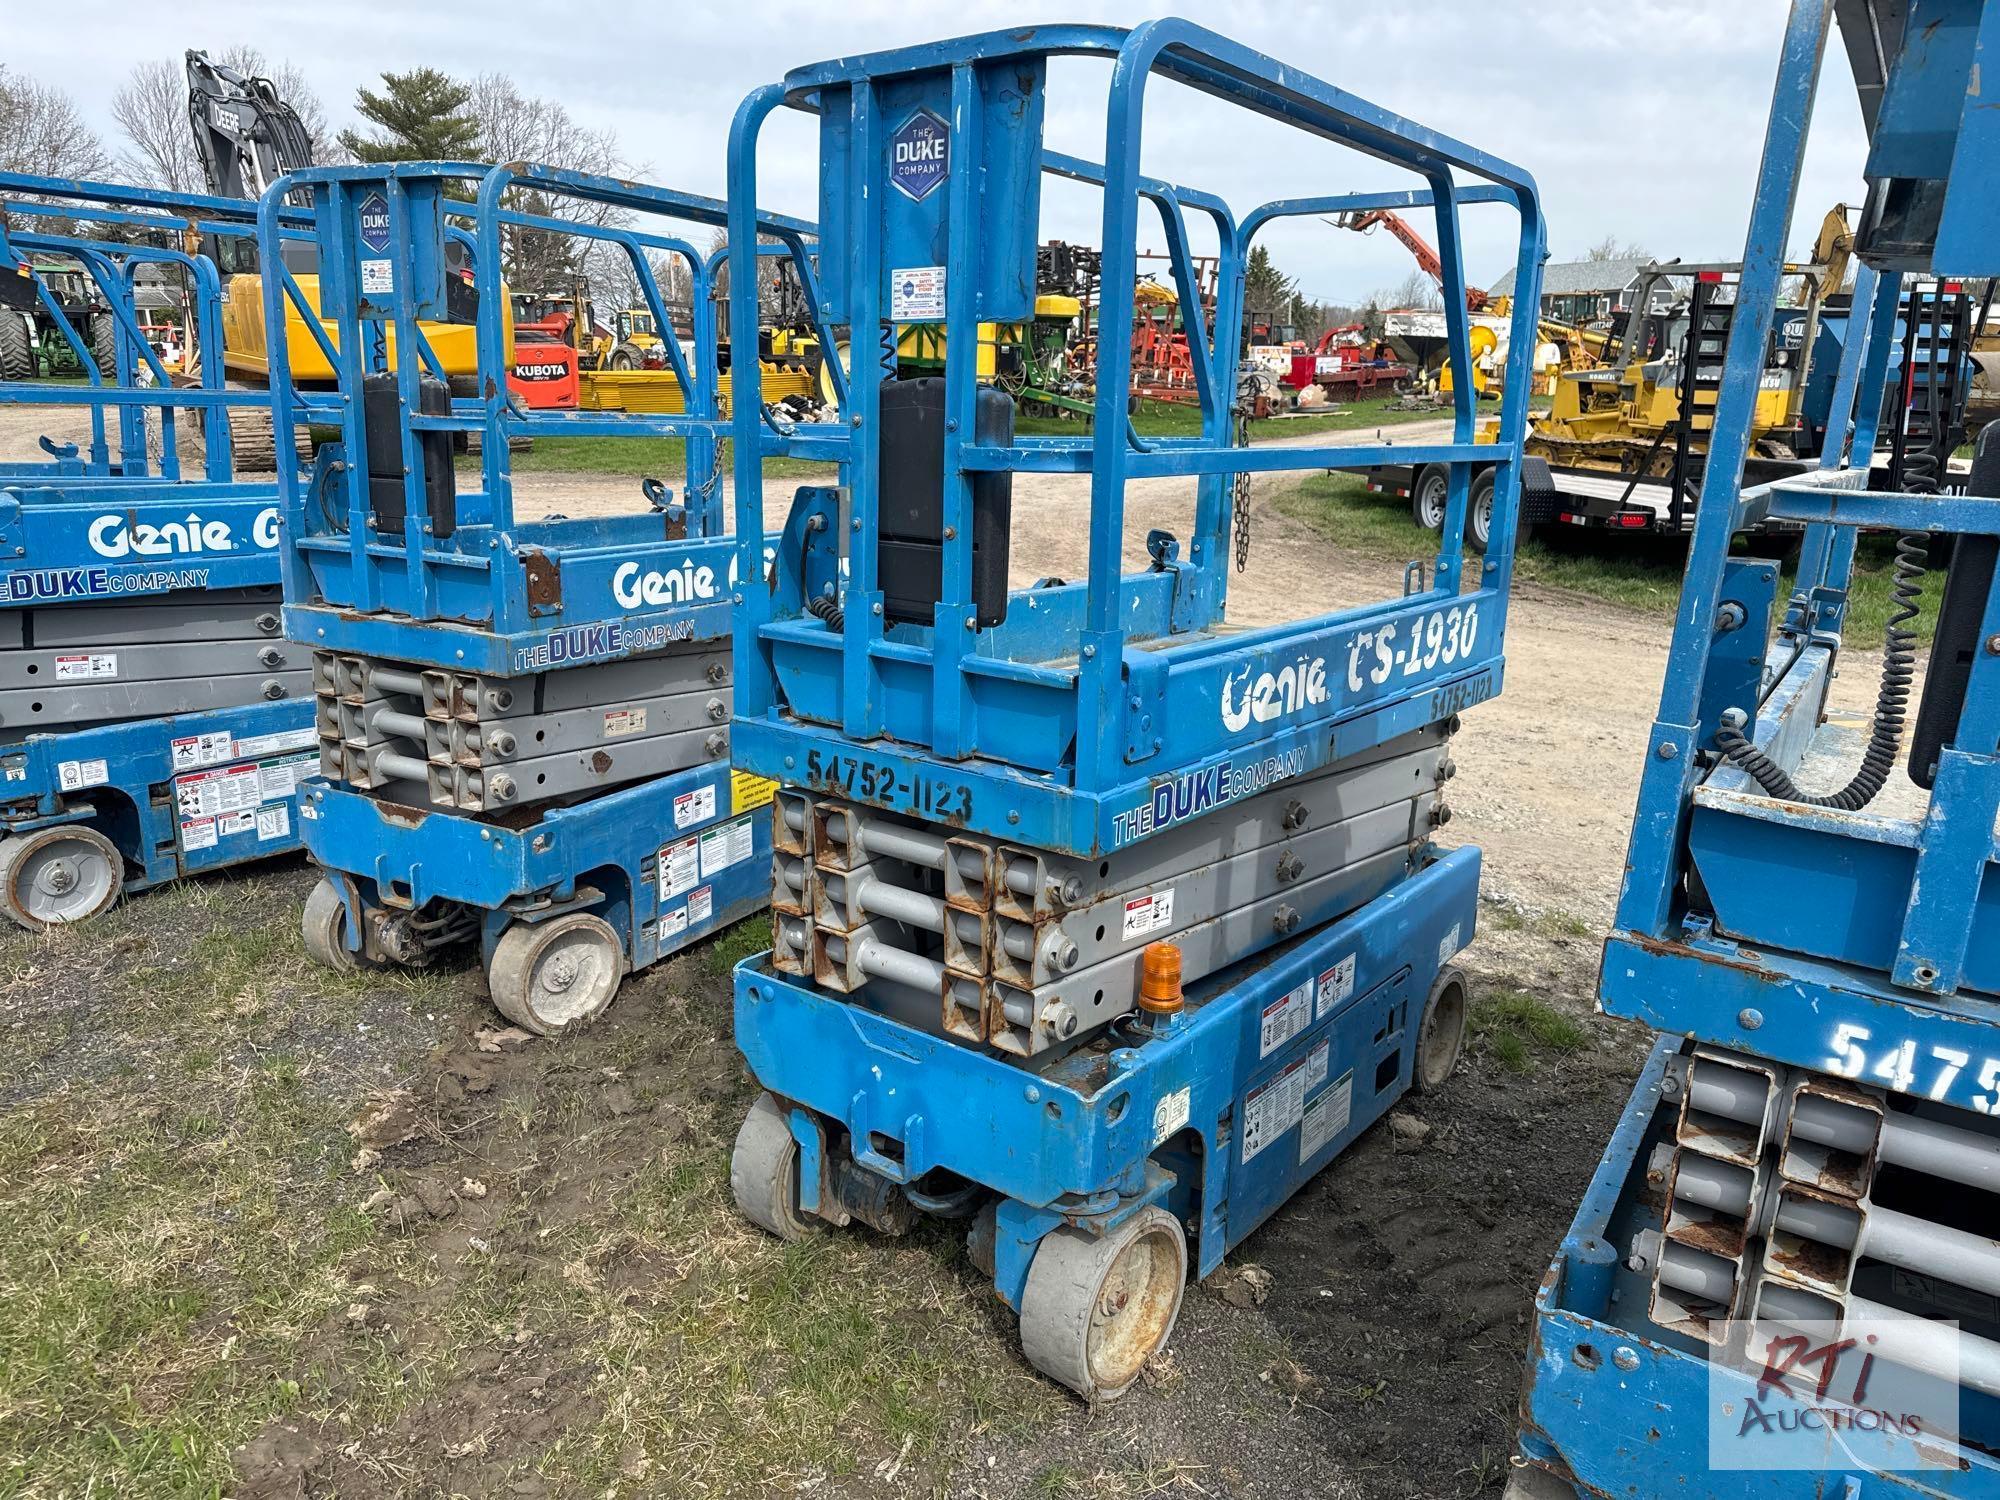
<point>825,609</point>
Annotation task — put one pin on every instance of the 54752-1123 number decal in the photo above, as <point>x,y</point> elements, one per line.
<point>879,781</point>
<point>1416,646</point>
<point>1910,1068</point>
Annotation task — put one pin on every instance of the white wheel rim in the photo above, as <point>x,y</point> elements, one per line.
<point>1482,517</point>
<point>573,978</point>
<point>1135,1306</point>
<point>63,879</point>
<point>1432,502</point>
<point>1439,1051</point>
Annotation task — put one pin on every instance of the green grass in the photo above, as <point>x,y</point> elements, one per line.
<point>639,457</point>
<point>751,935</point>
<point>1171,419</point>
<point>1638,573</point>
<point>1517,1028</point>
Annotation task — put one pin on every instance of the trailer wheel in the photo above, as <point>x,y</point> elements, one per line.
<point>1430,497</point>
<point>17,349</point>
<point>53,876</point>
<point>764,1172</point>
<point>1441,1033</point>
<point>323,928</point>
<point>1479,511</point>
<point>547,976</point>
<point>1096,1308</point>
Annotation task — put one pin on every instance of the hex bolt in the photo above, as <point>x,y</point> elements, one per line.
<point>500,742</point>
<point>1729,617</point>
<point>271,656</point>
<point>273,688</point>
<point>1668,750</point>
<point>1440,815</point>
<point>1287,920</point>
<point>1993,645</point>
<point>1448,769</point>
<point>1067,891</point>
<point>500,788</point>
<point>267,623</point>
<point>715,744</point>
<point>1295,816</point>
<point>951,533</point>
<point>500,698</point>
<point>715,671</point>
<point>1060,1019</point>
<point>717,710</point>
<point>1290,866</point>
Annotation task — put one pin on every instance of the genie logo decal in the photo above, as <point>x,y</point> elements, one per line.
<point>373,228</point>
<point>1248,699</point>
<point>635,587</point>
<point>117,536</point>
<point>920,155</point>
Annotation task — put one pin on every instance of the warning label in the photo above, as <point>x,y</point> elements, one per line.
<point>209,794</point>
<point>95,667</point>
<point>1284,1018</point>
<point>202,750</point>
<point>619,722</point>
<point>701,905</point>
<point>198,833</point>
<point>1270,1111</point>
<point>278,779</point>
<point>1144,914</point>
<point>679,869</point>
<point>258,745</point>
<point>1335,985</point>
<point>273,822</point>
<point>748,792</point>
<point>693,807</point>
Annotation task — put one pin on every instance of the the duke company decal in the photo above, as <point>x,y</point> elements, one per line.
<point>1193,793</point>
<point>593,642</point>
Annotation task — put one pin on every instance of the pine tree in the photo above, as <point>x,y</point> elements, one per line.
<point>420,116</point>
<point>1267,291</point>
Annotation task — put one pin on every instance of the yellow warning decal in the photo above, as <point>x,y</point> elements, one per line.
<point>748,792</point>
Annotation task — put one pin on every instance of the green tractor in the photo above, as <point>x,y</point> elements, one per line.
<point>32,343</point>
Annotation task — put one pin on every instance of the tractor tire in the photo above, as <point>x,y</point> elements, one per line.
<point>104,346</point>
<point>627,357</point>
<point>17,353</point>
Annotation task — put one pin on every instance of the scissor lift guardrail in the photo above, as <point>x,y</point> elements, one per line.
<point>522,723</point>
<point>153,720</point>
<point>1812,1146</point>
<point>1005,815</point>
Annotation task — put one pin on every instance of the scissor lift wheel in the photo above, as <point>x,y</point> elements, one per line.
<point>56,875</point>
<point>764,1172</point>
<point>1441,1034</point>
<point>546,976</point>
<point>1096,1308</point>
<point>323,926</point>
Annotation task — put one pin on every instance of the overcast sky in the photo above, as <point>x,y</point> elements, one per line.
<point>1639,118</point>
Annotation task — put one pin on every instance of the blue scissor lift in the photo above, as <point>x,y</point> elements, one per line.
<point>153,719</point>
<point>522,723</point>
<point>1811,1152</point>
<point>1096,921</point>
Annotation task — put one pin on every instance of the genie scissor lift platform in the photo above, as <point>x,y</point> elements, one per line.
<point>1096,921</point>
<point>1809,1167</point>
<point>522,724</point>
<point>153,719</point>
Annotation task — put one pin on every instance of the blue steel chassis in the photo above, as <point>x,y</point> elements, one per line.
<point>1854,945</point>
<point>74,527</point>
<point>465,602</point>
<point>1096,714</point>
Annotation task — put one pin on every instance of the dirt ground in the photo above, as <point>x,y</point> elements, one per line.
<point>284,1235</point>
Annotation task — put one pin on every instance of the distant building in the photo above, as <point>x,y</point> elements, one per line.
<point>1583,291</point>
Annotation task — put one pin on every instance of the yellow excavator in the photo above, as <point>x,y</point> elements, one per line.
<point>247,137</point>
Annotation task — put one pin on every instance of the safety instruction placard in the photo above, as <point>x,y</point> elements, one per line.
<point>208,794</point>
<point>278,779</point>
<point>697,806</point>
<point>619,722</point>
<point>701,905</point>
<point>95,666</point>
<point>273,822</point>
<point>1270,1111</point>
<point>198,750</point>
<point>1147,914</point>
<point>724,845</point>
<point>197,833</point>
<point>1335,985</point>
<point>255,746</point>
<point>679,867</point>
<point>1284,1018</point>
<point>1326,1117</point>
